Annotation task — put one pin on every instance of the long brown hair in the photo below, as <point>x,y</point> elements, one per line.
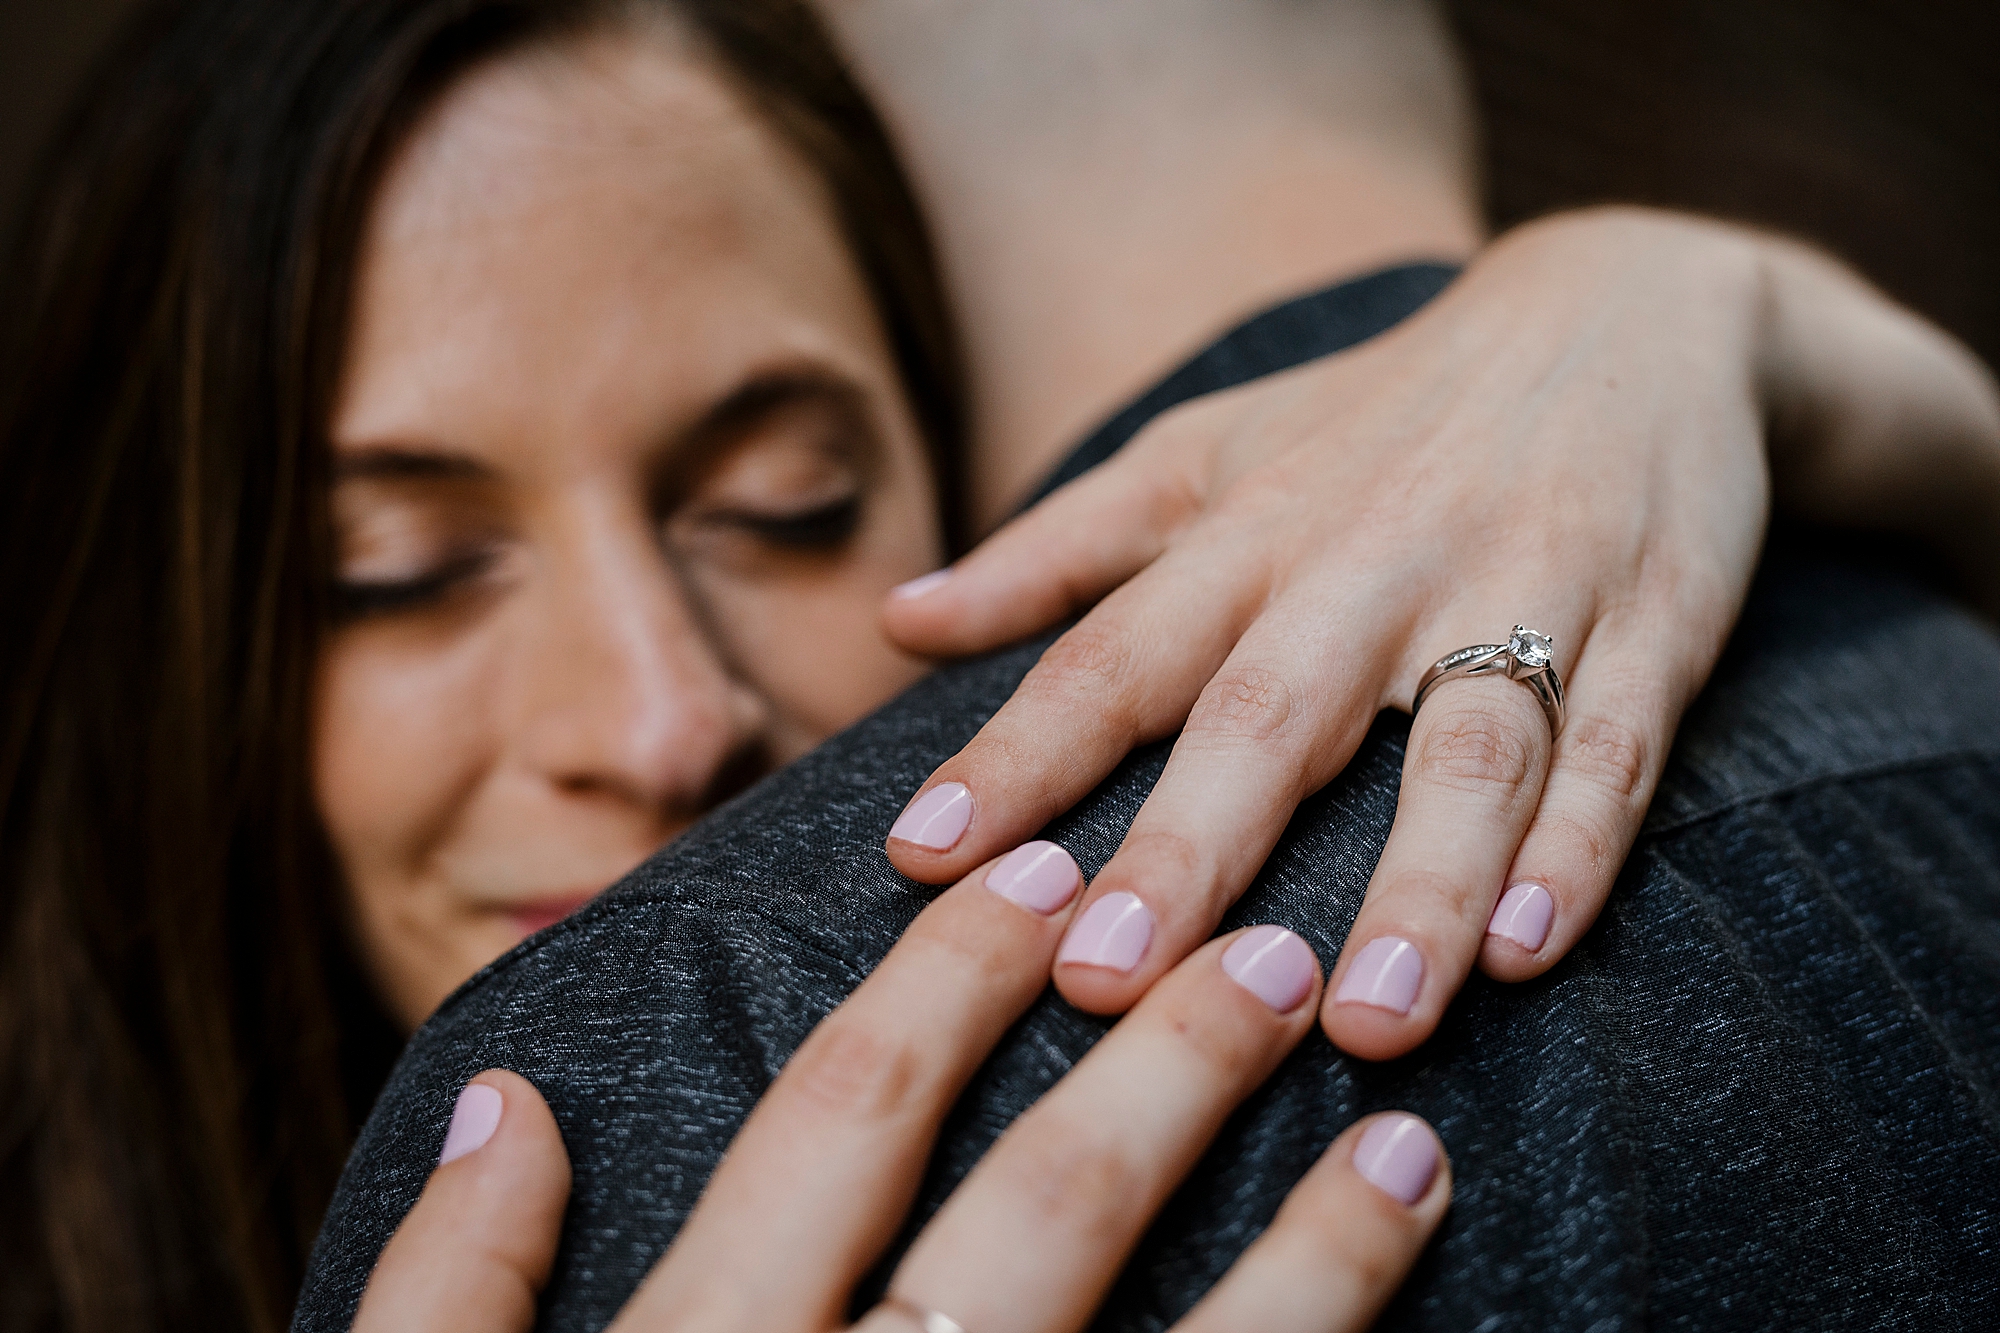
<point>185,1039</point>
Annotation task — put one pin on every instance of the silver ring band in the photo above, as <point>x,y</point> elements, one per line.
<point>1527,656</point>
<point>930,1321</point>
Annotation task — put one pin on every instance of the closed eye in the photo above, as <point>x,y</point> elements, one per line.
<point>359,599</point>
<point>821,528</point>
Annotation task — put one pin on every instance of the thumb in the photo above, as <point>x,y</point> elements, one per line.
<point>476,1250</point>
<point>1052,562</point>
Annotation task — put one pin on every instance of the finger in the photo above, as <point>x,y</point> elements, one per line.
<point>817,1182</point>
<point>1472,778</point>
<point>1053,561</point>
<point>476,1250</point>
<point>1344,1240</point>
<point>1625,710</point>
<point>1038,1231</point>
<point>1126,675</point>
<point>1277,721</point>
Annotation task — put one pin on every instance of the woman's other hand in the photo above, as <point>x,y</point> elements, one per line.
<point>1572,438</point>
<point>476,1251</point>
<point>817,1184</point>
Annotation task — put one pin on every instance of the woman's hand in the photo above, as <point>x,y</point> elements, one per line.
<point>817,1184</point>
<point>1572,438</point>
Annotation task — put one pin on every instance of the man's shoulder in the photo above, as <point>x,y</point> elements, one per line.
<point>1838,670</point>
<point>1775,907</point>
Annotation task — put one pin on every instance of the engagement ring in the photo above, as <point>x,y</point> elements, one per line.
<point>1527,656</point>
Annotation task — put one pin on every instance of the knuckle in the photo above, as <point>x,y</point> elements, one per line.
<point>1163,465</point>
<point>1232,1061</point>
<point>1160,855</point>
<point>1074,1181</point>
<point>1372,1260</point>
<point>1480,751</point>
<point>1378,1268</point>
<point>848,1071</point>
<point>1458,897</point>
<point>1610,755</point>
<point>1091,659</point>
<point>951,944</point>
<point>1250,703</point>
<point>1269,486</point>
<point>1006,756</point>
<point>1589,843</point>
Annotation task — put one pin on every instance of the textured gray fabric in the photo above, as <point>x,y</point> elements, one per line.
<point>1760,1094</point>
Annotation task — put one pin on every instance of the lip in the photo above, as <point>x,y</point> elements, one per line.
<point>541,913</point>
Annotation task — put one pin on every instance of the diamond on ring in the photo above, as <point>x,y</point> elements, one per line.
<point>1531,649</point>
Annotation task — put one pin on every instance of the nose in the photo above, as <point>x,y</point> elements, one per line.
<point>623,692</point>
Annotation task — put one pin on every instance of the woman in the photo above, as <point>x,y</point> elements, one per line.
<point>318,531</point>
<point>189,1033</point>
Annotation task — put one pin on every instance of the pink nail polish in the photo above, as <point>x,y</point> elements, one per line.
<point>1040,876</point>
<point>1398,1155</point>
<point>1385,974</point>
<point>917,587</point>
<point>1523,916</point>
<point>1113,932</point>
<point>473,1121</point>
<point>937,819</point>
<point>1272,964</point>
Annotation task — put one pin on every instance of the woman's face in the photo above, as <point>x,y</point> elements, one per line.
<point>623,471</point>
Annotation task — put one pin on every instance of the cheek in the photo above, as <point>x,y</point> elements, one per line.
<point>398,745</point>
<point>823,664</point>
<point>813,645</point>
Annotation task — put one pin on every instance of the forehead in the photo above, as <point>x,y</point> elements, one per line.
<point>576,218</point>
<point>634,110</point>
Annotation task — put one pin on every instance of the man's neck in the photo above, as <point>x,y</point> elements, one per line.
<point>1114,183</point>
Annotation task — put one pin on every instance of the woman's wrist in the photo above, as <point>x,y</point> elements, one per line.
<point>1874,417</point>
<point>1684,296</point>
<point>1878,419</point>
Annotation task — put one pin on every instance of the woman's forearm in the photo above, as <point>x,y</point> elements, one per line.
<point>1874,417</point>
<point>1878,419</point>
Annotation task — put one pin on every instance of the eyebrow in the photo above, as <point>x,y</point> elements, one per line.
<point>763,394</point>
<point>737,413</point>
<point>743,409</point>
<point>392,462</point>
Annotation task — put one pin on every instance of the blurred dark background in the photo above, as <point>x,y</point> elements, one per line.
<point>1870,126</point>
<point>45,47</point>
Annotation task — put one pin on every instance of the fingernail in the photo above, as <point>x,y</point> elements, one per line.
<point>1272,964</point>
<point>937,819</point>
<point>919,586</point>
<point>1040,876</point>
<point>473,1121</point>
<point>1523,916</point>
<point>1399,1156</point>
<point>1113,932</point>
<point>1386,974</point>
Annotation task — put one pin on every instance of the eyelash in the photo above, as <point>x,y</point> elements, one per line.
<point>361,600</point>
<point>818,529</point>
